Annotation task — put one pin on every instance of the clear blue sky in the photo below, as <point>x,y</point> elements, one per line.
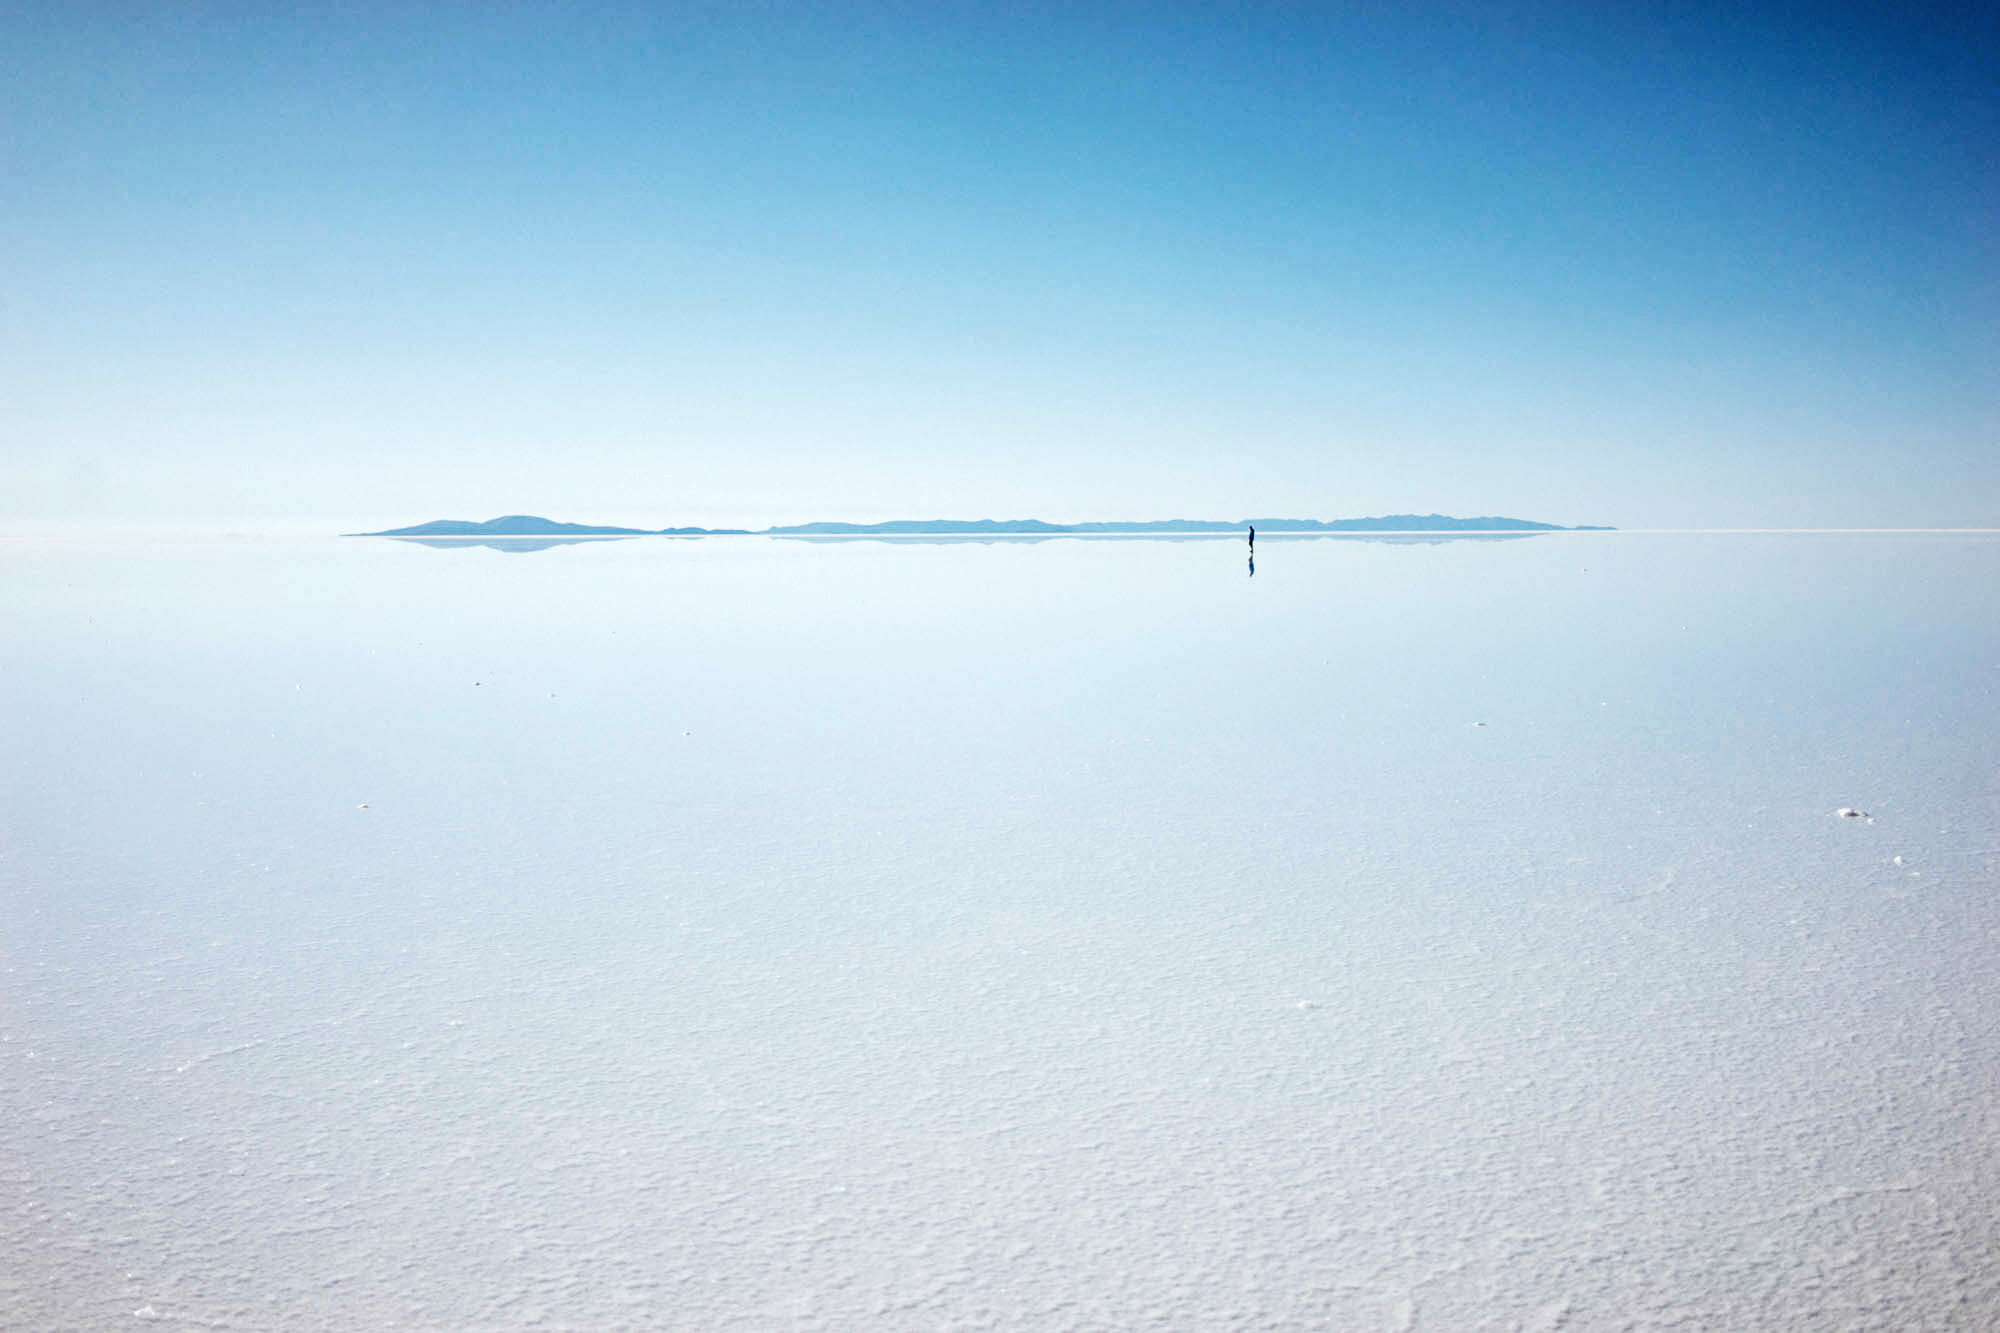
<point>357,265</point>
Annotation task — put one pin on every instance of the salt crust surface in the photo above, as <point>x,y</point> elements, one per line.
<point>1076,935</point>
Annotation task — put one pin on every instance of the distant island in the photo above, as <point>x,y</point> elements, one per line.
<point>1035,527</point>
<point>527,525</point>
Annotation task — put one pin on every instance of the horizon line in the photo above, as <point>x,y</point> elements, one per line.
<point>155,531</point>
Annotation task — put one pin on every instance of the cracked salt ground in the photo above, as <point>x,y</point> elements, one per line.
<point>1013,965</point>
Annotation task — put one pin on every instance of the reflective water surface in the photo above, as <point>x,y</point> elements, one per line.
<point>739,933</point>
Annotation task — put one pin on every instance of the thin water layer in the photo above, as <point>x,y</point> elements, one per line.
<point>745,933</point>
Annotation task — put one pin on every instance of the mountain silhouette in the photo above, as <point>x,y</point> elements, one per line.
<point>529,525</point>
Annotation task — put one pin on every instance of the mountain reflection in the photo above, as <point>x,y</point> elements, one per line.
<point>1024,539</point>
<point>512,545</point>
<point>524,545</point>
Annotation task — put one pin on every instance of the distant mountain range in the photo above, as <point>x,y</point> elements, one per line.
<point>1027,526</point>
<point>527,525</point>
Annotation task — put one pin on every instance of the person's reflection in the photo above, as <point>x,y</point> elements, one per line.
<point>1253,565</point>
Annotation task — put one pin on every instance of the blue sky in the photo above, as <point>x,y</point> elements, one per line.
<point>359,265</point>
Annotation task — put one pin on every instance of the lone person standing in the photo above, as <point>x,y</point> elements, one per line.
<point>1253,536</point>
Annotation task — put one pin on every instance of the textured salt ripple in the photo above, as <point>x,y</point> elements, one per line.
<point>1046,937</point>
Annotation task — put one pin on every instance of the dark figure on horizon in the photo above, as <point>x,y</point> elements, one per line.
<point>1253,536</point>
